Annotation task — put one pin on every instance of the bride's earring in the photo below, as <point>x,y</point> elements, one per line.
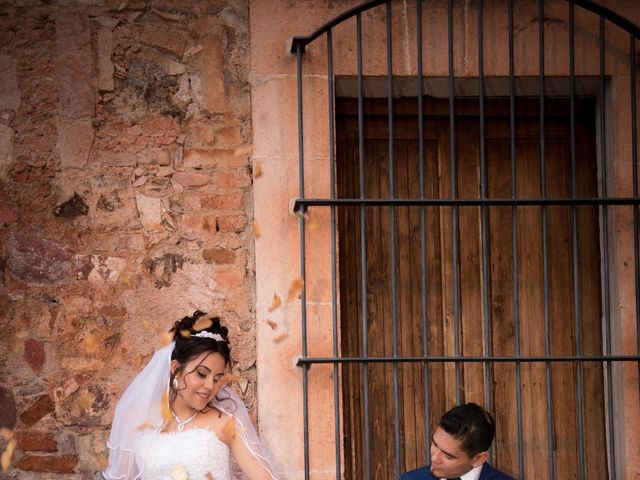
<point>175,383</point>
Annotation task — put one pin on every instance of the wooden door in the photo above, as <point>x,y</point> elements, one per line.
<point>511,281</point>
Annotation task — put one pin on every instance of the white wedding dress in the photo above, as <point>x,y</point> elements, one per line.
<point>190,454</point>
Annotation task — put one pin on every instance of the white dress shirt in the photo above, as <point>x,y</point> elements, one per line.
<point>473,474</point>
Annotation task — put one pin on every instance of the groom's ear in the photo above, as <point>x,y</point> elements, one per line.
<point>479,458</point>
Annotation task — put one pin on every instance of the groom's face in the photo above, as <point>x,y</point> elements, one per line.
<point>448,460</point>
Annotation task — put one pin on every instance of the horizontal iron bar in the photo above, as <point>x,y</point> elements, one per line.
<point>303,203</point>
<point>448,359</point>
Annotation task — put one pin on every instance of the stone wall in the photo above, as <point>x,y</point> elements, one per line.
<point>125,203</point>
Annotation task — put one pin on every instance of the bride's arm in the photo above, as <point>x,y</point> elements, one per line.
<point>246,459</point>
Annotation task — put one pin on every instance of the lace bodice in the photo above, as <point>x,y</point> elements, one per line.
<point>190,454</point>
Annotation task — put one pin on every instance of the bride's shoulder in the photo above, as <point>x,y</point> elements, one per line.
<point>221,423</point>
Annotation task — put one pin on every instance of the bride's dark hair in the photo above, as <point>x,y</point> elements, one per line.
<point>187,347</point>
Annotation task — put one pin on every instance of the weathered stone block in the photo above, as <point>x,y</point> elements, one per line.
<point>201,158</point>
<point>6,150</point>
<point>199,226</point>
<point>236,178</point>
<point>8,411</point>
<point>75,137</point>
<point>48,463</point>
<point>75,66</point>
<point>9,92</point>
<point>36,441</point>
<point>155,156</point>
<point>34,354</point>
<point>150,211</point>
<point>37,260</point>
<point>230,136</point>
<point>232,223</point>
<point>231,278</point>
<point>220,256</point>
<point>165,38</point>
<point>224,201</point>
<point>115,159</point>
<point>192,179</point>
<point>210,62</point>
<point>41,407</point>
<point>105,64</point>
<point>99,269</point>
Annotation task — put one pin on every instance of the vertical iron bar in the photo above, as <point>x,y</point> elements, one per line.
<point>363,251</point>
<point>574,242</point>
<point>545,266</point>
<point>303,304</point>
<point>454,194</point>
<point>605,248</point>
<point>514,239</point>
<point>334,306</point>
<point>484,213</point>
<point>423,244</point>
<point>634,154</point>
<point>392,221</point>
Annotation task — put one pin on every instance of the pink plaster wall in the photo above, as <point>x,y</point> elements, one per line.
<point>275,148</point>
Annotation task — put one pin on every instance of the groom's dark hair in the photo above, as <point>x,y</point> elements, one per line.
<point>472,425</point>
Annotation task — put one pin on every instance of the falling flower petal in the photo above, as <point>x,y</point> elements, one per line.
<point>17,339</point>
<point>185,332</point>
<point>275,303</point>
<point>295,289</point>
<point>91,343</point>
<point>144,426</point>
<point>145,324</point>
<point>102,461</point>
<point>313,224</point>
<point>229,429</point>
<point>256,229</point>
<point>164,408</point>
<point>85,402</point>
<point>6,434</point>
<point>272,324</point>
<point>202,324</point>
<point>257,170</point>
<point>166,338</point>
<point>7,454</point>
<point>208,476</point>
<point>280,338</point>
<point>178,472</point>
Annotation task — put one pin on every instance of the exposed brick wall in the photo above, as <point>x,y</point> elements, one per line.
<point>125,203</point>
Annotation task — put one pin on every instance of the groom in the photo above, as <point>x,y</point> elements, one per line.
<point>459,447</point>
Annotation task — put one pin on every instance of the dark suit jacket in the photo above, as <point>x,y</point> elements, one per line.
<point>424,473</point>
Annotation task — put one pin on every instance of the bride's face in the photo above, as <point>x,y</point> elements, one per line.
<point>200,380</point>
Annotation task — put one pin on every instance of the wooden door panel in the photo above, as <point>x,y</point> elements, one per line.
<point>506,293</point>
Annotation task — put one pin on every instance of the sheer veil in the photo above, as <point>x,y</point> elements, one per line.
<point>139,411</point>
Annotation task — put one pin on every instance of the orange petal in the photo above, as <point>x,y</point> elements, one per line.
<point>91,343</point>
<point>6,434</point>
<point>280,338</point>
<point>7,454</point>
<point>256,229</point>
<point>272,324</point>
<point>275,303</point>
<point>229,429</point>
<point>178,472</point>
<point>85,402</point>
<point>257,170</point>
<point>166,338</point>
<point>202,324</point>
<point>295,289</point>
<point>185,332</point>
<point>17,339</point>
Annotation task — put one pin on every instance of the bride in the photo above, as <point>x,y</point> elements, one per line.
<point>178,420</point>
